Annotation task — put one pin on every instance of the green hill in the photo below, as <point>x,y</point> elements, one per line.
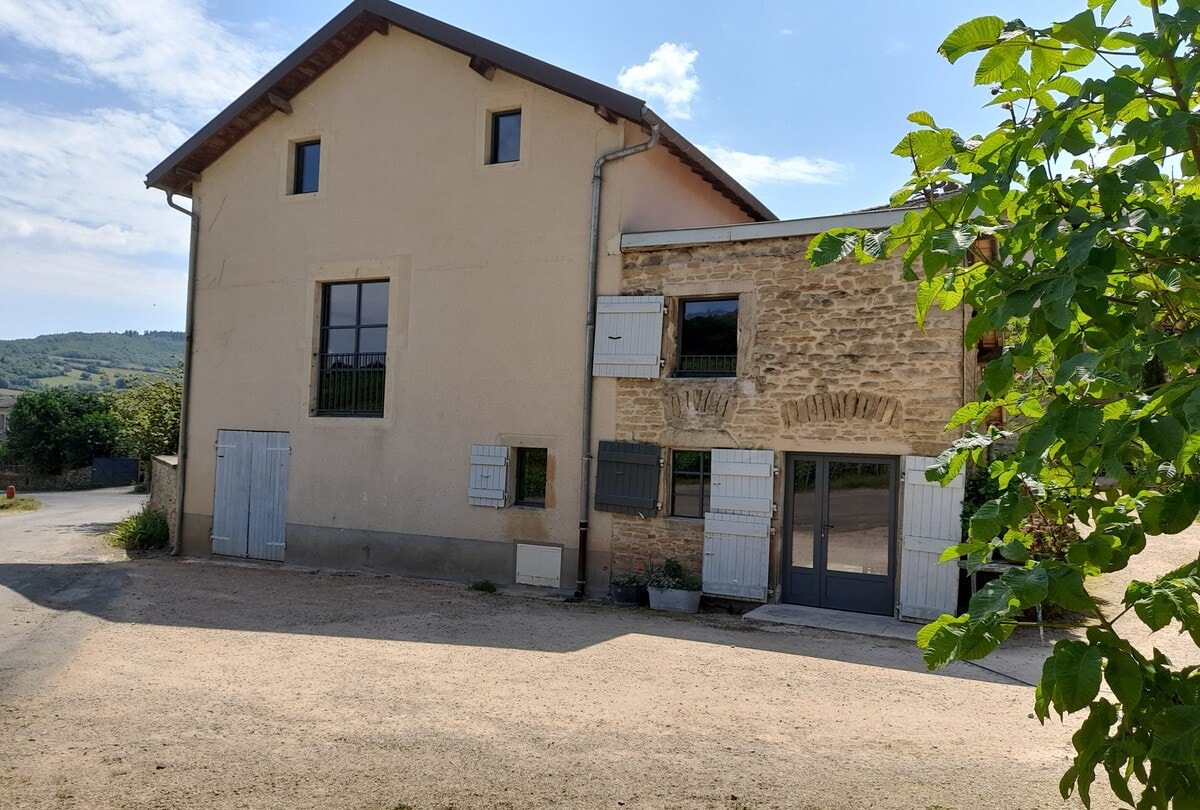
<point>92,360</point>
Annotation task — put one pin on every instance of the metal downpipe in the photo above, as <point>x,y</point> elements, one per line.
<point>181,478</point>
<point>589,346</point>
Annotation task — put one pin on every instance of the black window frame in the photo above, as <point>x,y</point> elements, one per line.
<point>523,496</point>
<point>300,162</point>
<point>494,136</point>
<point>722,365</point>
<point>362,374</point>
<point>704,475</point>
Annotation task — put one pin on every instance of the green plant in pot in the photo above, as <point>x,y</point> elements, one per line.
<point>673,588</point>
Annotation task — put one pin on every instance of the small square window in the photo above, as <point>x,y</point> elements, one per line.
<point>531,476</point>
<point>306,169</point>
<point>708,338</point>
<point>505,144</point>
<point>691,479</point>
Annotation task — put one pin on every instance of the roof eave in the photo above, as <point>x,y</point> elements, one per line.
<point>704,166</point>
<point>354,24</point>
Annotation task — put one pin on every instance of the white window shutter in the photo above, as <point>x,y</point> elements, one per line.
<point>489,475</point>
<point>736,555</point>
<point>932,523</point>
<point>629,332</point>
<point>743,481</point>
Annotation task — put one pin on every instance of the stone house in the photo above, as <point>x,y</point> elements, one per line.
<point>427,291</point>
<point>790,443</point>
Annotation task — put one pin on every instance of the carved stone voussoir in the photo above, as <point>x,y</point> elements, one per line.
<point>840,406</point>
<point>698,405</point>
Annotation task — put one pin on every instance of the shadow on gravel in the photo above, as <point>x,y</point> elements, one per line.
<point>165,591</point>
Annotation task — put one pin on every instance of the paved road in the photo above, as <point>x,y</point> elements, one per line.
<point>54,575</point>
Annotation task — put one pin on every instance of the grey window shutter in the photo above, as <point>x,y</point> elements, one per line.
<point>629,331</point>
<point>489,475</point>
<point>627,477</point>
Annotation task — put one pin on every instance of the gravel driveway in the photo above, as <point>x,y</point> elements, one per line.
<point>196,684</point>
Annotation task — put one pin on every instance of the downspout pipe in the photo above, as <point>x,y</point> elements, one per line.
<point>181,477</point>
<point>589,346</point>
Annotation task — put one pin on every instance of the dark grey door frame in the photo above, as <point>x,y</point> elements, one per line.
<point>840,590</point>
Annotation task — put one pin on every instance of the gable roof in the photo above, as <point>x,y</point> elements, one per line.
<point>362,18</point>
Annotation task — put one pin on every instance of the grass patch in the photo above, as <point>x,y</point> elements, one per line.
<point>485,585</point>
<point>146,529</point>
<point>19,504</point>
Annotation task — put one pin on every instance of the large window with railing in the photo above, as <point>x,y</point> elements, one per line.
<point>708,338</point>
<point>352,361</point>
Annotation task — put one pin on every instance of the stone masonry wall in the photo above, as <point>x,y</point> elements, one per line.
<point>164,481</point>
<point>829,360</point>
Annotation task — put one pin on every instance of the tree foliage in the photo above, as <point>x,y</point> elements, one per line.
<point>1074,227</point>
<point>26,363</point>
<point>148,414</point>
<point>58,429</point>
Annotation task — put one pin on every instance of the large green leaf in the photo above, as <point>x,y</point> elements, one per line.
<point>1079,427</point>
<point>999,63</point>
<point>986,523</point>
<point>1124,676</point>
<point>1163,434</point>
<point>1177,735</point>
<point>972,35</point>
<point>1077,675</point>
<point>1029,585</point>
<point>994,597</point>
<point>1065,588</point>
<point>832,246</point>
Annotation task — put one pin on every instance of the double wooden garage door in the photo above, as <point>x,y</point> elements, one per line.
<point>250,498</point>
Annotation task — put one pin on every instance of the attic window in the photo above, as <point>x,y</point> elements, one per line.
<point>505,141</point>
<point>306,168</point>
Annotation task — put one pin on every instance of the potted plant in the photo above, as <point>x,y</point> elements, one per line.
<point>628,590</point>
<point>674,589</point>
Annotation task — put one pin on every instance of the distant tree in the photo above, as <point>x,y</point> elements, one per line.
<point>148,414</point>
<point>58,429</point>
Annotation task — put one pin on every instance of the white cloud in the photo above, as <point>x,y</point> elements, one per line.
<point>158,51</point>
<point>668,75</point>
<point>85,244</point>
<point>76,181</point>
<point>757,170</point>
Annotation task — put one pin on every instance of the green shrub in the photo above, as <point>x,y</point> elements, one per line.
<point>146,529</point>
<point>485,585</point>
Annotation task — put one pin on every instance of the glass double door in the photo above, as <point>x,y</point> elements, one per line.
<point>841,541</point>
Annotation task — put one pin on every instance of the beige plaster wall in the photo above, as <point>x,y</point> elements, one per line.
<point>829,360</point>
<point>487,270</point>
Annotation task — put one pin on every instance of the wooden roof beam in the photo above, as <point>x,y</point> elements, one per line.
<point>483,67</point>
<point>377,24</point>
<point>280,103</point>
<point>605,113</point>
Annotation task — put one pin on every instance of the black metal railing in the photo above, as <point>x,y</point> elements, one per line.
<point>351,384</point>
<point>708,365</point>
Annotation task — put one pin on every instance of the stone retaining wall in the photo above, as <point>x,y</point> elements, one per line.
<point>164,478</point>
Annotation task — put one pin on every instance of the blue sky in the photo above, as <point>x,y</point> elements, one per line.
<point>801,101</point>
